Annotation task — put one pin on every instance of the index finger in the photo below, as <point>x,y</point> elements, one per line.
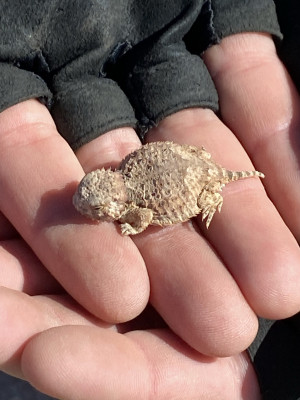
<point>38,173</point>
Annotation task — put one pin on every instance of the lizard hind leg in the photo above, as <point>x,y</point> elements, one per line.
<point>209,202</point>
<point>135,220</point>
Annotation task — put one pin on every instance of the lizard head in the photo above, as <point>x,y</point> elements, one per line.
<point>101,195</point>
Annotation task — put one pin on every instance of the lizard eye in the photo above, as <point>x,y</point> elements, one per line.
<point>100,210</point>
<point>98,207</point>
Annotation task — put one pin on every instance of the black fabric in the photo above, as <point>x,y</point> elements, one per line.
<point>234,16</point>
<point>100,64</point>
<point>17,84</point>
<point>289,49</point>
<point>276,357</point>
<point>221,18</point>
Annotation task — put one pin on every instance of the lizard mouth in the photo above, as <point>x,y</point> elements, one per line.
<point>106,212</point>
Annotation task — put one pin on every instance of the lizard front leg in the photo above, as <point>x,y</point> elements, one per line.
<point>135,220</point>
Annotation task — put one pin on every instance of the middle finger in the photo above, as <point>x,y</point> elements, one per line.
<point>38,175</point>
<point>190,287</point>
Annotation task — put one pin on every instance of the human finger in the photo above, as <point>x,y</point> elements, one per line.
<point>22,270</point>
<point>260,104</point>
<point>23,316</point>
<point>135,365</point>
<point>38,174</point>
<point>249,234</point>
<point>194,293</point>
<point>182,266</point>
<point>139,365</point>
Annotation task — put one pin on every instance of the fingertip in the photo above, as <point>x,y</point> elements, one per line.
<point>104,271</point>
<point>109,149</point>
<point>225,334</point>
<point>235,339</point>
<point>277,296</point>
<point>126,294</point>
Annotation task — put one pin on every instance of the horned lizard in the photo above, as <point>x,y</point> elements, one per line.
<point>162,183</point>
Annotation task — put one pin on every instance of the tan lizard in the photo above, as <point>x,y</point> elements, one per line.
<point>162,183</point>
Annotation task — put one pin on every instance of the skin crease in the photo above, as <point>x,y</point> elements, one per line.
<point>63,337</point>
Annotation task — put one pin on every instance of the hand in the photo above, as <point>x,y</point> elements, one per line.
<point>65,352</point>
<point>190,286</point>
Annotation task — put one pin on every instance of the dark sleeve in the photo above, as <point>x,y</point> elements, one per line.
<point>276,357</point>
<point>99,65</point>
<point>288,12</point>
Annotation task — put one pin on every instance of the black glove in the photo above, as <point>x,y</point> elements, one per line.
<point>99,64</point>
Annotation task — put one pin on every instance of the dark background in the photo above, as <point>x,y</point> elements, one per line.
<point>16,389</point>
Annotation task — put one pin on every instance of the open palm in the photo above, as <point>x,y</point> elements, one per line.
<point>70,286</point>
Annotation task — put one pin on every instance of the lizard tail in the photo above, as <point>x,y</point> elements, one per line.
<point>231,176</point>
